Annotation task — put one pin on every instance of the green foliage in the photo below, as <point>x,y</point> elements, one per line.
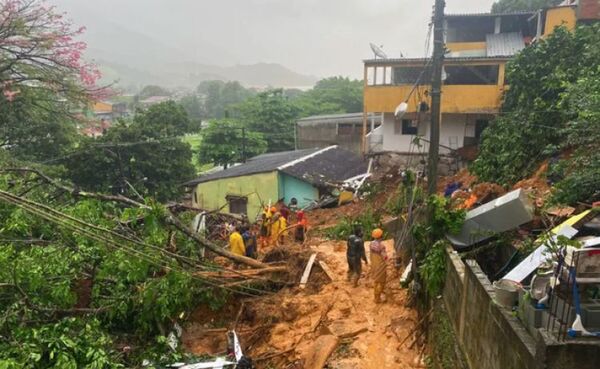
<point>144,154</point>
<point>433,268</point>
<point>35,126</point>
<point>579,174</point>
<point>272,114</point>
<point>221,96</point>
<point>367,220</point>
<point>69,343</point>
<point>442,220</point>
<point>224,142</point>
<point>332,95</point>
<point>194,108</point>
<point>406,192</point>
<point>132,296</point>
<point>530,128</point>
<point>507,6</point>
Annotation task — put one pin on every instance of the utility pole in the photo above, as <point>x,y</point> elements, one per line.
<point>436,94</point>
<point>243,144</point>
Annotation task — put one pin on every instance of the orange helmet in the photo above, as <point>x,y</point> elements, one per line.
<point>273,209</point>
<point>377,233</point>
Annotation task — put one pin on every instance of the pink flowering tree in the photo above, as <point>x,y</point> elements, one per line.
<point>40,49</point>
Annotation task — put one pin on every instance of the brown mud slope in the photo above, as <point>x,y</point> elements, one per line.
<point>328,324</point>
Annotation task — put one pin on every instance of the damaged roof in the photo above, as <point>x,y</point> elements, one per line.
<point>317,166</point>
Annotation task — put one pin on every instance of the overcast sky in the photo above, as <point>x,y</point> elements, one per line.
<point>318,37</point>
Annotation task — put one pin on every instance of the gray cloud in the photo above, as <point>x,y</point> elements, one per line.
<point>319,37</point>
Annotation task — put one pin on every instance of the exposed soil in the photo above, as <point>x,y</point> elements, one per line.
<point>289,323</point>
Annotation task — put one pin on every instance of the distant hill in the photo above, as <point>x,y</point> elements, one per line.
<point>136,59</point>
<point>191,74</point>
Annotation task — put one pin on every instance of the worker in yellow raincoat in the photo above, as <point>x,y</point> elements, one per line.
<point>378,263</point>
<point>275,229</point>
<point>236,242</point>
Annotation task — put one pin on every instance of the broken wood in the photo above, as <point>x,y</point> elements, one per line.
<point>267,357</point>
<point>307,270</point>
<point>320,351</point>
<point>327,270</point>
<point>241,273</point>
<point>322,317</point>
<point>173,220</point>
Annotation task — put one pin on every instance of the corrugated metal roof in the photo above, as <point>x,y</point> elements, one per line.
<point>316,166</point>
<point>488,14</point>
<point>258,164</point>
<point>504,44</point>
<point>424,60</point>
<point>335,118</point>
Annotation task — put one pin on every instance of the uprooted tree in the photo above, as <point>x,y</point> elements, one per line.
<point>94,280</point>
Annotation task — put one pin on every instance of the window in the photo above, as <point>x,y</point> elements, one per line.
<point>409,127</point>
<point>237,204</point>
<point>370,76</point>
<point>471,75</point>
<point>379,76</point>
<point>406,127</point>
<point>387,75</point>
<point>410,75</point>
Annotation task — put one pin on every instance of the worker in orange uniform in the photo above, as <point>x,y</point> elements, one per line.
<point>236,242</point>
<point>301,227</point>
<point>378,263</point>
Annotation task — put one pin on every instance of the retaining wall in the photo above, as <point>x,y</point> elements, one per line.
<point>492,338</point>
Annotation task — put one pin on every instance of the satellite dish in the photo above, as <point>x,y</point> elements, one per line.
<point>401,110</point>
<point>378,51</point>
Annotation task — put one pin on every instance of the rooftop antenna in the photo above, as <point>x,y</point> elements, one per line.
<point>378,51</point>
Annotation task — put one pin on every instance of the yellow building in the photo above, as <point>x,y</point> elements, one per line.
<point>478,48</point>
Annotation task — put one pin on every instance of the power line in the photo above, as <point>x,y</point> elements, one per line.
<point>62,219</point>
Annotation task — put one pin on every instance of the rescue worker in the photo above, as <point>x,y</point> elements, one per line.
<point>236,242</point>
<point>355,254</point>
<point>283,231</point>
<point>378,263</point>
<point>249,242</point>
<point>302,226</point>
<point>275,229</point>
<point>263,236</point>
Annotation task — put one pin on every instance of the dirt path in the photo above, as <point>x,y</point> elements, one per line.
<point>300,322</point>
<point>354,310</point>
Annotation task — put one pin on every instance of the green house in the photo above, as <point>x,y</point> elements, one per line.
<point>264,179</point>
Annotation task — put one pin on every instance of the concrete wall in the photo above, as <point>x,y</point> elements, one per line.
<point>323,135</point>
<point>263,186</point>
<point>492,338</point>
<point>292,187</point>
<point>555,17</point>
<point>453,130</point>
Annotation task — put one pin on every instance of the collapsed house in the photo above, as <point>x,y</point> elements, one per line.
<point>306,175</point>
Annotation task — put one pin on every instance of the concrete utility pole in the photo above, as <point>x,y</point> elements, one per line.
<point>436,94</point>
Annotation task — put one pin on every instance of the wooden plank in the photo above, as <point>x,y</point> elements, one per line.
<point>327,270</point>
<point>307,270</point>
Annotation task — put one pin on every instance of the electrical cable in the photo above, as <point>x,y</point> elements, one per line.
<point>23,203</point>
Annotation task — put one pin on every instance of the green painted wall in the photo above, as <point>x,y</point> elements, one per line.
<point>212,195</point>
<point>292,187</point>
